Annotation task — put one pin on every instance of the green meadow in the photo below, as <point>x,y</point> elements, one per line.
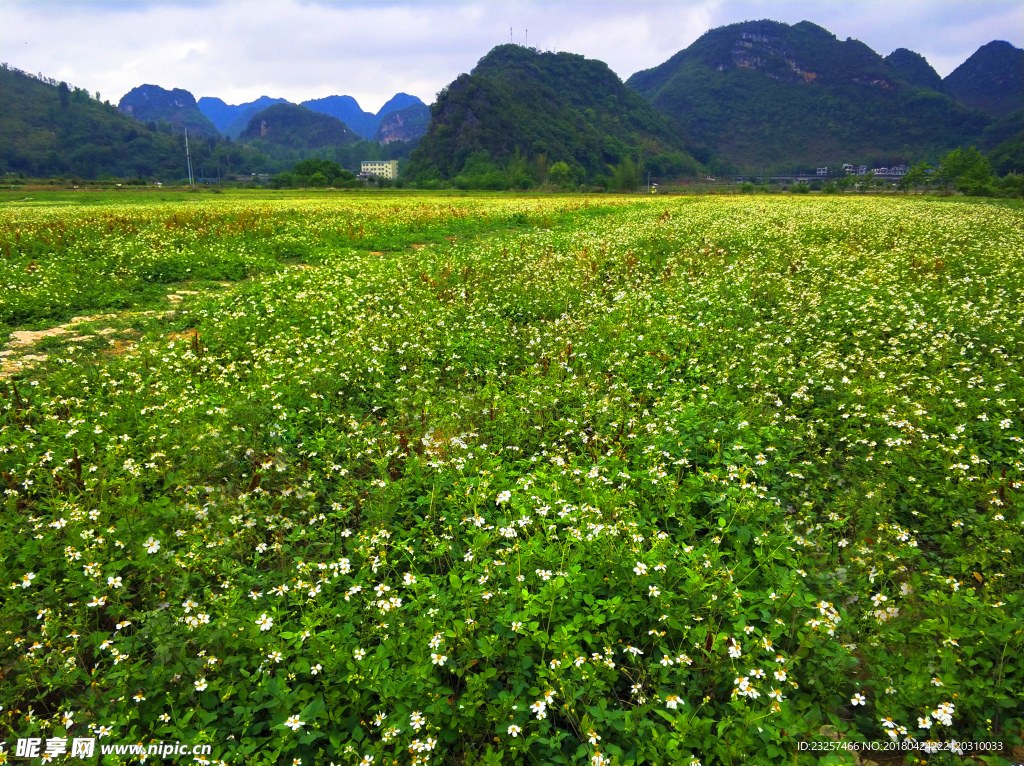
<point>482,479</point>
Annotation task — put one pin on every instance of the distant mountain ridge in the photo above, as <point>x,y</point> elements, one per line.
<point>747,97</point>
<point>767,94</point>
<point>230,119</point>
<point>347,109</point>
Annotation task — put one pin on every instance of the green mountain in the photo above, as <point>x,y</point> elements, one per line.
<point>520,104</point>
<point>915,69</point>
<point>51,129</point>
<point>992,79</point>
<point>296,127</point>
<point>151,103</point>
<point>763,94</point>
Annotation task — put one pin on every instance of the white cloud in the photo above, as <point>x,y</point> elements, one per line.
<point>371,50</point>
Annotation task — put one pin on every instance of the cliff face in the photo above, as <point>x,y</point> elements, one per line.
<point>405,124</point>
<point>151,103</point>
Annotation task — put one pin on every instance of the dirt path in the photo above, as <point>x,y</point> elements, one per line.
<point>20,353</point>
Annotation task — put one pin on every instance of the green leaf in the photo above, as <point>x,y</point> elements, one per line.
<point>313,709</point>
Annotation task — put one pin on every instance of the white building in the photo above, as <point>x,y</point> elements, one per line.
<point>379,168</point>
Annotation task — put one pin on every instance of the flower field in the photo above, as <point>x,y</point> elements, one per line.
<point>412,480</point>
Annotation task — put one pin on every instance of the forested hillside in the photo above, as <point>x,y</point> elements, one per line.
<point>537,109</point>
<point>51,129</point>
<point>766,94</point>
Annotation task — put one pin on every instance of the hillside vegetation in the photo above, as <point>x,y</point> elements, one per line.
<point>536,109</point>
<point>296,127</point>
<point>767,94</point>
<point>50,129</point>
<point>992,79</point>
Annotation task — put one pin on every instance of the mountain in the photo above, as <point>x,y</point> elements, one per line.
<point>347,109</point>
<point>296,127</point>
<point>546,107</point>
<point>763,94</point>
<point>231,119</point>
<point>915,69</point>
<point>406,124</point>
<point>992,79</point>
<point>51,129</point>
<point>151,103</point>
<point>397,102</point>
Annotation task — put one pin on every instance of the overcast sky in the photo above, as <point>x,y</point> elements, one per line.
<point>243,49</point>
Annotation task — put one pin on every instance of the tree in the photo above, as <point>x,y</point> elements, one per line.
<point>559,174</point>
<point>625,176</point>
<point>316,165</point>
<point>968,170</point>
<point>916,176</point>
<point>518,172</point>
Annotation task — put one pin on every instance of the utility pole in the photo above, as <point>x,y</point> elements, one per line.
<point>188,160</point>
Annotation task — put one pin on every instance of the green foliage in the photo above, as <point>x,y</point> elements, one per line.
<point>666,480</point>
<point>916,176</point>
<point>326,168</point>
<point>970,172</point>
<point>625,176</point>
<point>559,174</point>
<point>560,106</point>
<point>966,169</point>
<point>1003,141</point>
